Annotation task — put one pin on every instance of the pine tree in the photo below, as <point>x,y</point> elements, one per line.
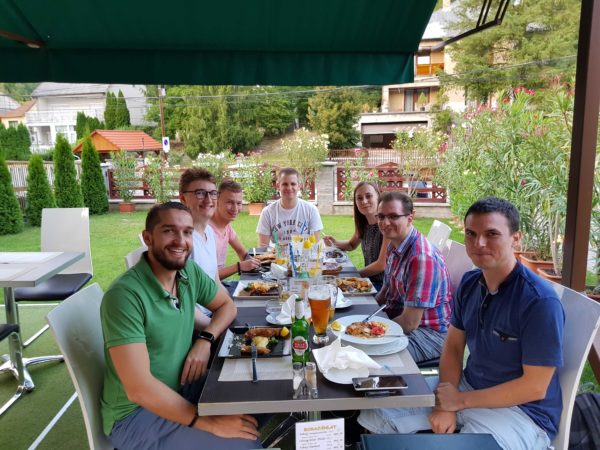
<point>39,192</point>
<point>92,181</point>
<point>122,117</point>
<point>66,188</point>
<point>11,217</point>
<point>110,111</point>
<point>81,124</point>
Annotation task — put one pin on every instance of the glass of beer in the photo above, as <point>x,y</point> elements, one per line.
<point>319,297</point>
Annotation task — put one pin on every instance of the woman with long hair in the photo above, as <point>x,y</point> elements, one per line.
<point>366,233</point>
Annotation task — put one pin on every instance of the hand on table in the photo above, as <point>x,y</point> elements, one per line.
<point>239,426</point>
<point>447,397</point>
<point>442,421</point>
<point>249,265</point>
<point>196,361</point>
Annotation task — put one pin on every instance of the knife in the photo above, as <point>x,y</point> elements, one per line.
<point>254,354</point>
<point>366,319</point>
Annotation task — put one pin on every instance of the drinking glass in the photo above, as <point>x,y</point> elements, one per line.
<point>319,297</point>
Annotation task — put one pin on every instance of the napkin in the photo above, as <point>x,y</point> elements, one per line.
<point>287,310</point>
<point>338,357</point>
<point>278,271</point>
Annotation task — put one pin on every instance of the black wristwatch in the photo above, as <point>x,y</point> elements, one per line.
<point>207,336</point>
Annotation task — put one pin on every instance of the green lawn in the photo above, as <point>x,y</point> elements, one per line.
<point>112,237</point>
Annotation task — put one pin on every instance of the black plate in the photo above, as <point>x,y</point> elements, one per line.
<point>339,256</point>
<point>238,340</point>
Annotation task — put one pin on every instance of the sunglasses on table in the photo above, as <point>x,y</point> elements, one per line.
<point>202,193</point>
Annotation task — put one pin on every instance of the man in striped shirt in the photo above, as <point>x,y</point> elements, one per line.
<point>416,286</point>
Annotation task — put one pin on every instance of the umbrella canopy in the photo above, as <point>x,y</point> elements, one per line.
<point>242,42</point>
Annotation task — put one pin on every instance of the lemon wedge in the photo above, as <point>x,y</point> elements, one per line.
<point>284,332</point>
<point>336,326</point>
<point>312,239</point>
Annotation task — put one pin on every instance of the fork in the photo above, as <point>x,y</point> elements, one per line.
<point>254,355</point>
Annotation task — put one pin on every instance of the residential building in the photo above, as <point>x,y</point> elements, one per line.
<point>58,105</point>
<point>16,116</point>
<point>407,106</point>
<point>7,103</point>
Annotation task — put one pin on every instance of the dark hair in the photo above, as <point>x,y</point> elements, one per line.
<point>360,220</point>
<point>407,204</point>
<point>230,185</point>
<point>153,217</point>
<point>193,174</point>
<point>289,171</point>
<point>490,205</point>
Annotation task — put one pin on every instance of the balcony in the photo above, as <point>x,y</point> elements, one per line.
<point>58,117</point>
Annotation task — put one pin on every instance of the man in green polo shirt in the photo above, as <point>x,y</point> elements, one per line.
<point>147,320</point>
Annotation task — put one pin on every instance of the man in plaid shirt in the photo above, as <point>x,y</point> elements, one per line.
<point>416,286</point>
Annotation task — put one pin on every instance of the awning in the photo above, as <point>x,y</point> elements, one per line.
<point>240,42</point>
<point>389,128</point>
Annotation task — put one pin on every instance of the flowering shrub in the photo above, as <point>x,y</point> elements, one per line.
<point>217,164</point>
<point>161,178</point>
<point>256,179</point>
<point>519,151</point>
<point>305,151</point>
<point>356,171</point>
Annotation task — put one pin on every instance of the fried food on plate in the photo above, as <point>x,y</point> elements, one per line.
<point>372,329</point>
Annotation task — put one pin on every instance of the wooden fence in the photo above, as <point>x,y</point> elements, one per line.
<point>372,157</point>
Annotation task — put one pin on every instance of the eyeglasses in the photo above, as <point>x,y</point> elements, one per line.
<point>390,217</point>
<point>202,193</point>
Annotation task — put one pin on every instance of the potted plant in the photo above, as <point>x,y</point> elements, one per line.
<point>124,165</point>
<point>421,101</point>
<point>257,181</point>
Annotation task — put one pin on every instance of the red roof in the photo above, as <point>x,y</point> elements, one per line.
<point>129,140</point>
<point>17,112</point>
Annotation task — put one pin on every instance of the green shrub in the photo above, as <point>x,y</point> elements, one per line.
<point>39,192</point>
<point>66,189</point>
<point>11,218</point>
<point>92,181</point>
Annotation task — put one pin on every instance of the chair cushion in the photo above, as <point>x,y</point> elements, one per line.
<point>7,329</point>
<point>59,287</point>
<point>435,362</point>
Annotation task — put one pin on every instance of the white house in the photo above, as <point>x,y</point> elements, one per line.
<point>406,106</point>
<point>57,105</point>
<point>7,103</point>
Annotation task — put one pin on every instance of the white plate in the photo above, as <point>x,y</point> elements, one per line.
<point>393,328</point>
<point>373,291</point>
<point>343,302</point>
<point>242,285</point>
<point>384,349</point>
<point>344,376</point>
<point>273,321</point>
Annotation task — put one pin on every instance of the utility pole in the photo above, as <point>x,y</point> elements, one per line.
<point>161,94</point>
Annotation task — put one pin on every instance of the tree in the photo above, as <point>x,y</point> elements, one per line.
<point>11,218</point>
<point>335,114</point>
<point>122,117</point>
<point>39,192</point>
<point>85,125</point>
<point>543,32</point>
<point>66,189</point>
<point>110,111</point>
<point>274,113</point>
<point>15,143</point>
<point>92,181</point>
<point>305,151</point>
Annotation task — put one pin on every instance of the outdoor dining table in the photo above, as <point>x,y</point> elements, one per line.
<point>26,269</point>
<point>275,395</point>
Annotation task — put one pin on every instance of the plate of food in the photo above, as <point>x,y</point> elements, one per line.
<point>356,286</point>
<point>270,342</point>
<point>376,331</point>
<point>331,268</point>
<point>335,253</point>
<point>256,289</point>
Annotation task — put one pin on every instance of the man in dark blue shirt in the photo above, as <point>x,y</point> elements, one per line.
<point>512,322</point>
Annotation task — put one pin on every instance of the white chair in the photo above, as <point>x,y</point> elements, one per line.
<point>438,234</point>
<point>63,230</point>
<point>582,319</point>
<point>134,256</point>
<point>76,326</point>
<point>457,262</point>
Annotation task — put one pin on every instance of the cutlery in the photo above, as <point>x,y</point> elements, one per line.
<point>254,354</point>
<point>366,319</point>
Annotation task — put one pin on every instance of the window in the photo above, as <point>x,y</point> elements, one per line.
<point>416,99</point>
<point>13,123</point>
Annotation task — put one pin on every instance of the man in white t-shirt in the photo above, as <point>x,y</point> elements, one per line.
<point>289,215</point>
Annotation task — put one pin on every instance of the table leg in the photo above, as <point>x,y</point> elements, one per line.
<point>14,361</point>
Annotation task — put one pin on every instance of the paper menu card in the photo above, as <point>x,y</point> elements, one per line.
<point>320,435</point>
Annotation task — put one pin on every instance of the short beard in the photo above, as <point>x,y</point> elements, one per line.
<point>167,264</point>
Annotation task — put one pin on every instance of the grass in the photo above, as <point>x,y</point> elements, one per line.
<point>112,237</point>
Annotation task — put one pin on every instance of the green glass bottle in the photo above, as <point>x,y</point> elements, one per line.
<point>300,351</point>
